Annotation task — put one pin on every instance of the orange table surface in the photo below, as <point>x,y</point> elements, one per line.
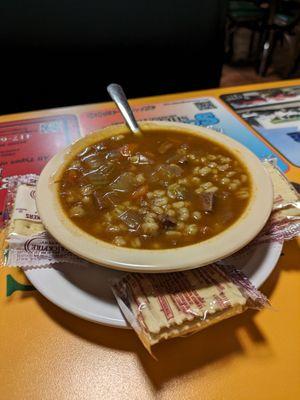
<point>47,354</point>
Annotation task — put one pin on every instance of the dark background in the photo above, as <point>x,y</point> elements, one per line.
<point>56,53</point>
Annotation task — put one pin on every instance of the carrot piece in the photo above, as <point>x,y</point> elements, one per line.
<point>140,192</point>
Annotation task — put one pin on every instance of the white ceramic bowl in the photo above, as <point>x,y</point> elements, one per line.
<point>99,252</point>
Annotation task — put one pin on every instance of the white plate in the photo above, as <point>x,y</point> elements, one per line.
<point>85,291</point>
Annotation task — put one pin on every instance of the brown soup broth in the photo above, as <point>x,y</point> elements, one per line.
<point>164,190</point>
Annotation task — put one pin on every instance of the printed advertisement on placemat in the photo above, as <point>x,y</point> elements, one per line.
<point>275,115</point>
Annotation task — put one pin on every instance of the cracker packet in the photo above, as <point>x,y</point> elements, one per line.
<point>164,306</point>
<point>9,186</point>
<point>27,243</point>
<point>17,204</point>
<point>25,219</point>
<point>284,222</point>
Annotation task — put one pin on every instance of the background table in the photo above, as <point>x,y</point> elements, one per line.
<point>46,353</point>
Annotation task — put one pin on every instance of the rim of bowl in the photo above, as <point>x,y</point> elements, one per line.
<point>84,245</point>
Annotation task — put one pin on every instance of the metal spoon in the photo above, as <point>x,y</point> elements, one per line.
<point>118,96</point>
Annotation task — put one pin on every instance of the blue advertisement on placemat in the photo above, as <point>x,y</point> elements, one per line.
<point>275,115</point>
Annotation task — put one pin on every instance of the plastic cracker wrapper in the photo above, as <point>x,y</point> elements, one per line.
<point>165,306</point>
<point>25,219</point>
<point>19,216</point>
<point>284,222</point>
<point>9,185</point>
<point>286,198</point>
<point>27,244</point>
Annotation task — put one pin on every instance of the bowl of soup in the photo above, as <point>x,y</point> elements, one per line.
<point>178,197</point>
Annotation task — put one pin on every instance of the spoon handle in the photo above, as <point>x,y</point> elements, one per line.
<point>118,96</point>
